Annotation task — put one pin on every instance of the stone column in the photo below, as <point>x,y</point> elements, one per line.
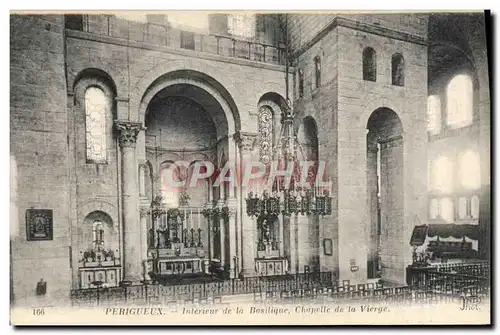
<point>128,132</point>
<point>222,235</point>
<point>294,248</point>
<point>144,213</point>
<point>231,231</point>
<point>372,181</point>
<point>281,237</point>
<point>248,224</point>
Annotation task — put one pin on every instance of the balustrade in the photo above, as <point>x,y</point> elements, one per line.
<point>224,45</point>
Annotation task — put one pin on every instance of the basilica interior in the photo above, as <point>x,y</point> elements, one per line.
<point>108,109</point>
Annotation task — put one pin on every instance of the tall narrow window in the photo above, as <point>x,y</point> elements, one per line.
<point>369,64</point>
<point>433,114</point>
<point>469,170</point>
<point>265,134</point>
<point>301,83</point>
<point>398,70</point>
<point>459,101</point>
<point>474,207</point>
<point>242,25</point>
<point>446,210</point>
<point>95,123</point>
<point>317,68</point>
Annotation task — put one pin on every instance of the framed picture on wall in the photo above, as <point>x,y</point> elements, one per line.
<point>39,224</point>
<point>328,246</point>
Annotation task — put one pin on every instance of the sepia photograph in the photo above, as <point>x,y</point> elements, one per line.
<point>250,168</point>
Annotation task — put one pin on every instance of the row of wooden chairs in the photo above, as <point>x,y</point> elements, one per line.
<point>346,291</point>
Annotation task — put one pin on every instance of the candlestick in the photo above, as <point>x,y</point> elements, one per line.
<point>192,238</point>
<point>185,238</point>
<point>200,245</point>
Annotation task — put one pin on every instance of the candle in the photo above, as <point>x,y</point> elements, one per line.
<point>191,217</point>
<point>199,219</point>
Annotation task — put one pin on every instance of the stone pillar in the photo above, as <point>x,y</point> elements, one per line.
<point>248,224</point>
<point>372,184</point>
<point>303,245</point>
<point>128,132</point>
<point>294,250</point>
<point>281,236</point>
<point>231,231</point>
<point>144,213</point>
<point>222,236</point>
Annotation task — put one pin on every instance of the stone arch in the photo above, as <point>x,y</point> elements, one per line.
<point>275,103</point>
<point>93,205</point>
<point>96,70</point>
<point>178,72</point>
<point>385,169</point>
<point>388,104</point>
<point>231,116</point>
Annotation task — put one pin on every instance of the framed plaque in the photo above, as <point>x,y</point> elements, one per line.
<point>39,224</point>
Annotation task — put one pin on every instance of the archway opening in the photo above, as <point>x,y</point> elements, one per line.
<point>385,191</point>
<point>186,126</point>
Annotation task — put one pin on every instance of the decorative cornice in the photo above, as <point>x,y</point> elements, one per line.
<point>127,132</point>
<point>368,28</point>
<point>245,141</point>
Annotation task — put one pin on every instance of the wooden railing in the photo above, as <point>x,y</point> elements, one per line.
<point>454,280</point>
<point>156,293</point>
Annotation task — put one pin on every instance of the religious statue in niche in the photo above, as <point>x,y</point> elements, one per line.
<point>39,225</point>
<point>267,233</point>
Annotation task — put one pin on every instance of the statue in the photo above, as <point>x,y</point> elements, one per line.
<point>41,287</point>
<point>151,238</point>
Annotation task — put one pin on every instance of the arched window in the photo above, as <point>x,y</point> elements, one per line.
<point>241,25</point>
<point>398,70</point>
<point>469,170</point>
<point>369,64</point>
<point>317,69</point>
<point>301,83</point>
<point>442,175</point>
<point>459,101</point>
<point>433,114</point>
<point>95,124</point>
<point>265,134</point>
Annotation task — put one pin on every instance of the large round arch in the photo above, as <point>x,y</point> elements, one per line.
<point>205,85</point>
<point>385,194</point>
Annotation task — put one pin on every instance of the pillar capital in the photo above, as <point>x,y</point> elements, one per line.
<point>144,211</point>
<point>246,141</point>
<point>127,132</point>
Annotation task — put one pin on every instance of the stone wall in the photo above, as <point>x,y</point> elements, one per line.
<point>39,155</point>
<point>304,27</point>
